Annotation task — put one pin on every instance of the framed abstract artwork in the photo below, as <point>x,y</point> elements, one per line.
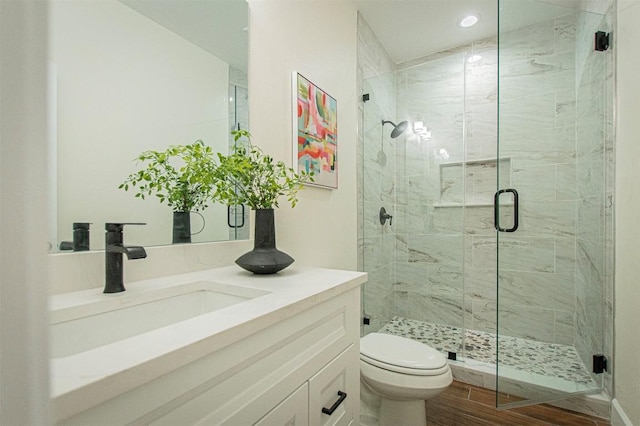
<point>315,132</point>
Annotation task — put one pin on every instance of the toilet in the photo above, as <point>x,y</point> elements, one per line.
<point>403,373</point>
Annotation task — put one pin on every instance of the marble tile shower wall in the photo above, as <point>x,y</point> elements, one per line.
<point>537,131</point>
<point>430,239</point>
<point>446,256</point>
<point>376,168</point>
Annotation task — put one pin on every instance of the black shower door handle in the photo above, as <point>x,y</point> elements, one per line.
<point>496,213</point>
<point>235,216</point>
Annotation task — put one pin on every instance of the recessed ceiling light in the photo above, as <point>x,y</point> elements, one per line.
<point>468,21</point>
<point>474,58</point>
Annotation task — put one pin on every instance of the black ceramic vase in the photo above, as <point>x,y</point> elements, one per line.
<point>265,258</point>
<point>181,227</point>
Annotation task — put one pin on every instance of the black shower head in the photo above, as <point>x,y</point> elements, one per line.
<point>398,129</point>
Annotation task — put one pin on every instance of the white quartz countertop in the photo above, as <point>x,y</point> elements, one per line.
<point>88,378</point>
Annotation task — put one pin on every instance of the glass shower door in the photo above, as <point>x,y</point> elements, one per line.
<point>377,238</point>
<point>415,259</point>
<point>552,206</point>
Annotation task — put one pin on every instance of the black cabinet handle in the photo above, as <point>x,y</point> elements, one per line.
<point>334,407</point>
<point>496,214</point>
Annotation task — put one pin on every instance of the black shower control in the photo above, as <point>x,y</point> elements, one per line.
<point>384,216</point>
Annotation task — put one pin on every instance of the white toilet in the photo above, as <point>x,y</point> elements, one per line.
<point>403,373</point>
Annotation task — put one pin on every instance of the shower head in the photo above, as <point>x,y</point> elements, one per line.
<point>398,129</point>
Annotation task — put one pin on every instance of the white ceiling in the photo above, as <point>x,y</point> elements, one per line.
<point>409,29</point>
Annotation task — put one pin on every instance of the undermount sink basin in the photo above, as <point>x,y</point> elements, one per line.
<point>87,326</point>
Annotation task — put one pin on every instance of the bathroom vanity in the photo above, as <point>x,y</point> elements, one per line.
<point>220,346</point>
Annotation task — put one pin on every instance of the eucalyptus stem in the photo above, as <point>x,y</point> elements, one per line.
<point>180,176</point>
<point>248,176</point>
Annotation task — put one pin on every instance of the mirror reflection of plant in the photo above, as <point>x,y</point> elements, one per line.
<point>179,176</point>
<point>249,176</point>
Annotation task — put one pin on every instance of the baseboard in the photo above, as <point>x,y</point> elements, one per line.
<point>597,405</point>
<point>618,416</point>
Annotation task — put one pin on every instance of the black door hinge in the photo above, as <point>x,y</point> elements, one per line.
<point>602,41</point>
<point>599,364</point>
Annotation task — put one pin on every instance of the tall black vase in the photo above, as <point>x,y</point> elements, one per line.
<point>265,258</point>
<point>181,227</point>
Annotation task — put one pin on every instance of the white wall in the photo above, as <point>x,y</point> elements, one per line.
<point>317,39</point>
<point>627,297</point>
<point>125,85</point>
<point>24,386</point>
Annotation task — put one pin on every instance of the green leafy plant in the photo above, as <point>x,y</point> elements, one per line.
<point>251,177</point>
<point>179,176</point>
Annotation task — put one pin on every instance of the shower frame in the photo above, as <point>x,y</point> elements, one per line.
<point>477,246</point>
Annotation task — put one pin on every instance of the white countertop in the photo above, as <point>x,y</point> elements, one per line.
<point>94,376</point>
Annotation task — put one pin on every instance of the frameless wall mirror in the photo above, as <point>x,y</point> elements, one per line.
<point>134,75</point>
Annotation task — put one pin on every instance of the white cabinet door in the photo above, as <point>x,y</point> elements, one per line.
<point>334,392</point>
<point>293,411</point>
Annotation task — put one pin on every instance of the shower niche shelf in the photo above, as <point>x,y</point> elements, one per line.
<point>472,183</point>
<point>478,204</point>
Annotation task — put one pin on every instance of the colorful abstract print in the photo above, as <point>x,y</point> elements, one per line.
<point>317,133</point>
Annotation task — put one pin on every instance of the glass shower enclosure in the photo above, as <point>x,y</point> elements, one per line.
<point>498,251</point>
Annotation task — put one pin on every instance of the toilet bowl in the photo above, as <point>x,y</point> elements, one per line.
<point>403,373</point>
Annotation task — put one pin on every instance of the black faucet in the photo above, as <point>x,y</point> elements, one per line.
<point>81,236</point>
<point>114,248</point>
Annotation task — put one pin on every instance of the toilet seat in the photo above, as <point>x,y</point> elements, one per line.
<point>402,355</point>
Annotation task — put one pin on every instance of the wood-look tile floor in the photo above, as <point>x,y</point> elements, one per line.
<point>466,405</point>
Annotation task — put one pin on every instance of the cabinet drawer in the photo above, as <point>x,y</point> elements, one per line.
<point>326,388</point>
<point>293,411</point>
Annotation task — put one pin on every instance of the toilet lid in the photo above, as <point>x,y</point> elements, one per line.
<point>401,352</point>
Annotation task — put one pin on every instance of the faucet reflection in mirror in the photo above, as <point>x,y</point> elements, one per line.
<point>114,249</point>
<point>80,238</point>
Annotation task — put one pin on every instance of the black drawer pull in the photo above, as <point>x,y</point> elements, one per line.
<point>334,407</point>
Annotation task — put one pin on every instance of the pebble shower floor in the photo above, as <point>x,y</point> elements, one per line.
<point>547,359</point>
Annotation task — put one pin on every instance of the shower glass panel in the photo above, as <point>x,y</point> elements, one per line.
<point>416,261</point>
<point>554,139</point>
<point>238,216</point>
<point>378,159</point>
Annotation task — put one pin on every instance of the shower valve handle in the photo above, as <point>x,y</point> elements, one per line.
<point>384,216</point>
